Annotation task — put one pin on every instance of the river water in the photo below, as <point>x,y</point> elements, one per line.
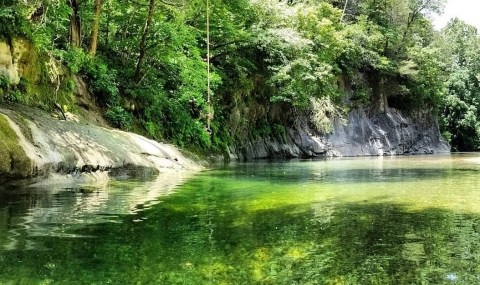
<point>380,220</point>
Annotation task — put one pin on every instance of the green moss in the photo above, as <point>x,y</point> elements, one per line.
<point>13,159</point>
<point>36,86</point>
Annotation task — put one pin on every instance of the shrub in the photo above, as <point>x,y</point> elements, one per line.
<point>4,83</point>
<point>323,111</point>
<point>153,130</point>
<point>119,117</point>
<point>280,132</point>
<point>11,93</point>
<point>101,78</point>
<point>103,82</point>
<point>12,23</point>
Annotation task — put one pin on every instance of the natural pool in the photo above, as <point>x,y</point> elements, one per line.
<point>380,220</point>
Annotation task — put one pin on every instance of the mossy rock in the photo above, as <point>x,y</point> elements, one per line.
<point>14,162</point>
<point>33,84</point>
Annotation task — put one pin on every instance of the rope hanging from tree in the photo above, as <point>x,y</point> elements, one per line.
<point>209,114</point>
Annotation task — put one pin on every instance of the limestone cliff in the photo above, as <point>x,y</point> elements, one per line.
<point>36,147</point>
<point>387,133</point>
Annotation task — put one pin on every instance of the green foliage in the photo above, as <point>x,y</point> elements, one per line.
<point>13,159</point>
<point>460,110</point>
<point>153,130</point>
<point>446,135</point>
<point>102,78</point>
<point>76,59</point>
<point>13,22</point>
<point>280,131</point>
<point>323,112</point>
<point>4,83</point>
<point>70,85</point>
<point>119,117</point>
<point>302,49</point>
<point>50,22</point>
<point>103,83</point>
<point>177,124</point>
<point>363,44</point>
<point>14,96</point>
<point>9,92</point>
<point>423,71</point>
<point>265,56</point>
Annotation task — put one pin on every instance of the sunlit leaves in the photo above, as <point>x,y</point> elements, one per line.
<point>461,106</point>
<point>302,43</point>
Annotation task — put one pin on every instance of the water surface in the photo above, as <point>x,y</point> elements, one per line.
<point>381,220</point>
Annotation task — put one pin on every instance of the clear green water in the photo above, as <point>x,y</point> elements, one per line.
<point>382,220</point>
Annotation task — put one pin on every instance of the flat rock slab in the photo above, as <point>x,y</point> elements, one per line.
<point>45,147</point>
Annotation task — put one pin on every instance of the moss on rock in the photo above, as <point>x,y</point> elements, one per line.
<point>13,159</point>
<point>35,78</point>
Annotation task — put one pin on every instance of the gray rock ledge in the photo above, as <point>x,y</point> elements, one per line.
<point>48,150</point>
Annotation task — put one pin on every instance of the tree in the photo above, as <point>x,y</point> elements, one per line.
<point>418,7</point>
<point>95,28</point>
<point>269,60</point>
<point>75,28</point>
<point>143,41</point>
<point>460,109</point>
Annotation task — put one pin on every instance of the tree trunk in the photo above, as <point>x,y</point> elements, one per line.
<point>75,28</point>
<point>96,26</point>
<point>143,41</point>
<point>107,30</point>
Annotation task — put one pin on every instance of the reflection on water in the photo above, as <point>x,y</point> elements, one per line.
<point>401,220</point>
<point>60,211</point>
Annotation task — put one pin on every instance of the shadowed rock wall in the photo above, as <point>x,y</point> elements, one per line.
<point>388,133</point>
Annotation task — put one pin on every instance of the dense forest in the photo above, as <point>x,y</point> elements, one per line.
<point>270,62</point>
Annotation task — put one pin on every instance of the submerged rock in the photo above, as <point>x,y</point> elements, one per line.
<point>387,133</point>
<point>37,147</point>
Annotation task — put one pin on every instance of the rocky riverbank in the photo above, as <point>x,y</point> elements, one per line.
<point>387,133</point>
<point>36,147</point>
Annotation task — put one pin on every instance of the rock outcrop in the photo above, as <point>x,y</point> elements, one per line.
<point>36,147</point>
<point>11,55</point>
<point>387,133</point>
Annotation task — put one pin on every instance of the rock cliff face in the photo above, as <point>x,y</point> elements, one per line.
<point>11,55</point>
<point>36,147</point>
<point>387,133</point>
